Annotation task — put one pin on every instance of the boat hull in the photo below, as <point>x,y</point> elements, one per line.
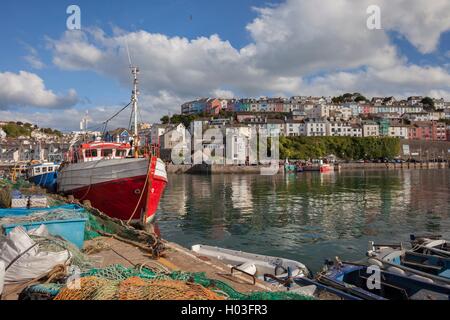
<point>46,180</point>
<point>120,187</point>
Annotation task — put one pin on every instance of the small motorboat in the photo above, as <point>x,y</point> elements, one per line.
<point>431,245</point>
<point>355,279</point>
<point>289,167</point>
<point>257,265</point>
<point>401,260</point>
<point>44,175</point>
<point>283,273</point>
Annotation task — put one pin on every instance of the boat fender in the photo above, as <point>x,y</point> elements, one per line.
<point>248,267</point>
<point>296,272</point>
<point>375,262</point>
<point>87,203</point>
<point>396,270</point>
<point>420,278</point>
<point>2,276</point>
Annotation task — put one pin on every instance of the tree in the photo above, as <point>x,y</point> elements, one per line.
<point>360,98</point>
<point>428,103</point>
<point>165,120</point>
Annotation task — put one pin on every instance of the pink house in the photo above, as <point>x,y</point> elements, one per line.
<point>213,106</point>
<point>428,130</point>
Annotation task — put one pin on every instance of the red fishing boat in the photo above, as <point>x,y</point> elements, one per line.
<point>114,178</point>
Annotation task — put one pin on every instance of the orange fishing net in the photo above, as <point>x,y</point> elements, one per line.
<point>135,288</point>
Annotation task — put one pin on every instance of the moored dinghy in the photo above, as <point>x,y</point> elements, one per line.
<point>255,264</point>
<point>410,262</point>
<point>431,245</point>
<point>356,280</point>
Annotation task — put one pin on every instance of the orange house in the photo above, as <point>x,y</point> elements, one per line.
<point>213,106</point>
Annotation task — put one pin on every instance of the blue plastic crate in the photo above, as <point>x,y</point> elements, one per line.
<point>26,212</point>
<point>71,230</point>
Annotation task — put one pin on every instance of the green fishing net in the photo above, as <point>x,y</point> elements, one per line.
<point>121,273</point>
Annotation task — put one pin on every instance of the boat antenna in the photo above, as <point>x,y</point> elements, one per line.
<point>128,52</point>
<point>134,101</point>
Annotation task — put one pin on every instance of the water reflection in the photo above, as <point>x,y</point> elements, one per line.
<point>308,216</point>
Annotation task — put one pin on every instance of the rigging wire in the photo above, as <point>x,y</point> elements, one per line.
<point>105,123</point>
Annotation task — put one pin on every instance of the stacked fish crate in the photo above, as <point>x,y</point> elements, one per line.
<point>38,201</point>
<point>18,200</point>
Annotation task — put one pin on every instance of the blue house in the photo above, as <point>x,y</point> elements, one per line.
<point>121,135</point>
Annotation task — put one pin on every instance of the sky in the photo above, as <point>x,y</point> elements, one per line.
<point>187,49</point>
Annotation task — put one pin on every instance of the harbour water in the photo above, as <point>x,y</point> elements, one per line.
<point>307,217</point>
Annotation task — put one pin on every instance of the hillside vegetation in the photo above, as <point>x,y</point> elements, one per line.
<point>17,129</point>
<point>348,148</point>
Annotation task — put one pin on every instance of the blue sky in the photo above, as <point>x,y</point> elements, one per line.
<point>31,24</point>
<point>262,52</point>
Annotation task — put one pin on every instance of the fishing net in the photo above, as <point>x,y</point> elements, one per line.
<point>60,213</point>
<point>135,288</point>
<point>118,272</point>
<point>94,225</point>
<point>55,244</point>
<point>119,283</point>
<point>45,291</point>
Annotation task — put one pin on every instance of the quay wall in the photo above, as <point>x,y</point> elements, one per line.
<point>426,150</point>
<point>406,165</point>
<point>230,169</point>
<point>214,169</point>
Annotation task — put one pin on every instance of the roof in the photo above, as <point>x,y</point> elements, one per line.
<point>118,131</point>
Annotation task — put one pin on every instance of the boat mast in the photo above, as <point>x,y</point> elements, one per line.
<point>134,100</point>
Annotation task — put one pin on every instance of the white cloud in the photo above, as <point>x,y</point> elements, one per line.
<point>421,22</point>
<point>32,56</point>
<point>34,61</point>
<point>399,81</point>
<point>75,53</point>
<point>225,94</point>
<point>26,89</point>
<point>297,47</point>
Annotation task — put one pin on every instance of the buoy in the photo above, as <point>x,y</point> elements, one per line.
<point>87,203</point>
<point>396,270</point>
<point>375,262</point>
<point>248,267</point>
<point>420,278</point>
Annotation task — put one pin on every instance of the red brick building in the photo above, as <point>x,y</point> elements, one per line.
<point>428,130</point>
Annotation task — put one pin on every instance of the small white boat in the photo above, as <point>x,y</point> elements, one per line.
<point>255,264</point>
<point>431,245</point>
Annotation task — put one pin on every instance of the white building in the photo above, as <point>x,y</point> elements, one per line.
<point>316,128</point>
<point>295,128</point>
<point>238,145</point>
<point>2,134</point>
<point>174,136</point>
<point>156,132</point>
<point>344,129</point>
<point>370,129</point>
<point>398,131</point>
<point>414,100</point>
